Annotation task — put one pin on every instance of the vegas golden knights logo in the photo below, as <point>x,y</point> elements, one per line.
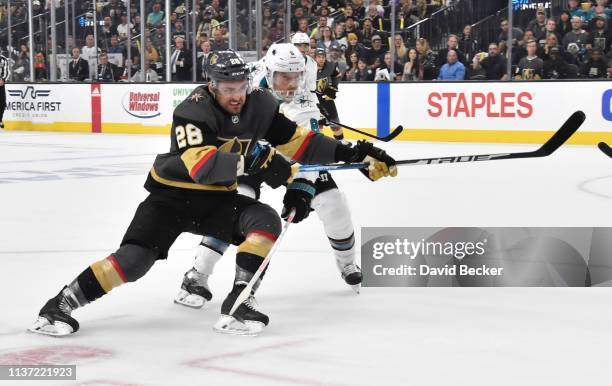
<point>322,85</point>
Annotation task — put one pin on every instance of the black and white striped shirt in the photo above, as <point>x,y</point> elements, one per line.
<point>4,68</point>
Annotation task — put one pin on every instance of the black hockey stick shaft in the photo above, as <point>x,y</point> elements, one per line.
<point>559,138</point>
<point>607,150</point>
<point>397,131</point>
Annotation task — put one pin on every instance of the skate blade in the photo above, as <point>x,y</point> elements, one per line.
<point>230,325</point>
<point>356,288</point>
<point>43,327</point>
<point>186,299</point>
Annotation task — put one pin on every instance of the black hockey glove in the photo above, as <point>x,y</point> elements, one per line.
<point>380,164</point>
<point>271,167</point>
<point>299,196</point>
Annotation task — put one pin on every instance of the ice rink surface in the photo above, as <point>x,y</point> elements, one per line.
<point>66,199</point>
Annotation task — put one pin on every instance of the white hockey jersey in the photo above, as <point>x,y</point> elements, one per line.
<point>303,109</point>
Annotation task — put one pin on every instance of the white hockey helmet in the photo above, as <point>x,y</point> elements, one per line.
<point>300,38</point>
<point>284,58</point>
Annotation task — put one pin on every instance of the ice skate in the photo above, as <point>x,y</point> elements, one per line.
<point>247,320</point>
<point>54,318</point>
<point>194,291</point>
<point>351,274</point>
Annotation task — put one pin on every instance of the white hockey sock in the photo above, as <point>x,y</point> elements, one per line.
<point>209,253</point>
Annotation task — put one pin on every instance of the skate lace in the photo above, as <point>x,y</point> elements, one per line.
<point>64,306</point>
<point>251,303</point>
<point>349,269</point>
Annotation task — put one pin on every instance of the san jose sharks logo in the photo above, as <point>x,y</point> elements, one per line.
<point>33,93</point>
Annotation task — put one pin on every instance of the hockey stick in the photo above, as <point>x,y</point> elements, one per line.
<point>605,148</point>
<point>559,138</point>
<point>387,138</point>
<point>247,290</point>
<point>397,131</point>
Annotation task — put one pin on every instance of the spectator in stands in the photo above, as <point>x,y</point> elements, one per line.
<point>122,29</point>
<point>364,74</point>
<point>214,12</point>
<point>530,67</point>
<point>517,34</point>
<point>494,65</point>
<point>394,69</point>
<point>374,55</point>
<point>349,74</point>
<point>303,26</point>
<point>427,59</point>
<point>412,68</point>
<point>538,25</point>
<point>600,36</point>
<point>115,47</point>
<point>576,35</point>
<point>159,36</point>
<point>452,44</point>
<point>551,28</point>
<point>421,9</point>
<point>350,26</point>
<point>401,53</point>
<point>316,31</point>
<point>336,56</point>
<point>179,30</point>
<point>107,30</point>
<point>88,52</point>
<point>313,46</point>
<point>565,24</point>
<point>107,72</point>
<point>277,32</point>
<point>453,69</point>
<point>368,32</point>
<point>324,12</point>
<point>180,61</point>
<point>151,54</point>
<point>340,35</point>
<point>551,42</point>
<point>574,9</point>
<point>596,66</point>
<point>358,9</point>
<point>41,73</point>
<point>378,22</point>
<point>407,14</point>
<point>218,43</point>
<point>327,40</point>
<point>520,51</point>
<point>555,67</point>
<point>599,9</point>
<point>156,16</point>
<point>149,74</point>
<point>467,44</point>
<point>201,61</point>
<point>353,46</point>
<point>78,68</point>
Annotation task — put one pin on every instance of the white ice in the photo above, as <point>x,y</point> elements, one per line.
<point>66,199</point>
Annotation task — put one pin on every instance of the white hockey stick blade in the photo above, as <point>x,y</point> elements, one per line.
<point>186,299</point>
<point>230,325</point>
<point>44,327</point>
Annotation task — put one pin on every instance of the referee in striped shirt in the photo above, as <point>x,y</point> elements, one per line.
<point>4,75</point>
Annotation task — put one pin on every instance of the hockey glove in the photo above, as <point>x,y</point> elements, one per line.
<point>380,164</point>
<point>299,196</point>
<point>271,167</point>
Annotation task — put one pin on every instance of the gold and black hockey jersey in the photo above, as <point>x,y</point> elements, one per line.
<point>206,142</point>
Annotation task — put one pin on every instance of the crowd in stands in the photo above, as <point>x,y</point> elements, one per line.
<point>355,34</point>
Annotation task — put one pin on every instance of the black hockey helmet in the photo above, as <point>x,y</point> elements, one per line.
<point>226,65</point>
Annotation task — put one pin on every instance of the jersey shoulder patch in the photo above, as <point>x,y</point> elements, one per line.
<point>197,107</point>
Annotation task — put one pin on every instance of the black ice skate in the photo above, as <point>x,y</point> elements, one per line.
<point>194,290</point>
<point>351,274</point>
<point>247,320</point>
<point>54,318</point>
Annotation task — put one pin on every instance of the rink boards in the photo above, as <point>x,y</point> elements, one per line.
<point>516,112</point>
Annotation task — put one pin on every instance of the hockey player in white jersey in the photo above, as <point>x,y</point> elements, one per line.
<point>282,70</point>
